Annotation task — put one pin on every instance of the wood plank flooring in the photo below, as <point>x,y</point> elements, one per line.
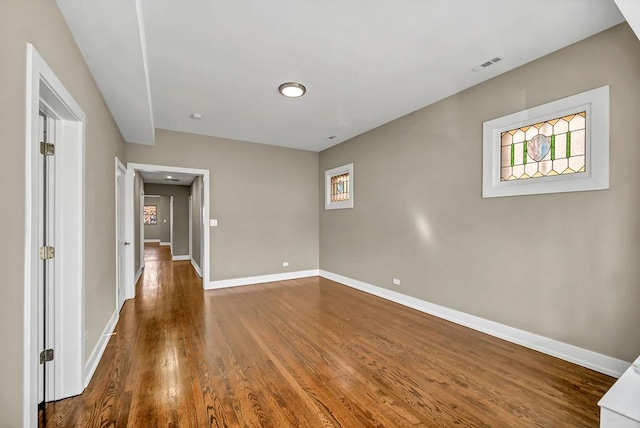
<point>313,353</point>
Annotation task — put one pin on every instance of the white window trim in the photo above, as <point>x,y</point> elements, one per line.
<point>328,204</point>
<point>596,177</point>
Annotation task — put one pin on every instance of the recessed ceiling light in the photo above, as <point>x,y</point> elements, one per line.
<point>169,176</point>
<point>292,89</point>
<point>196,116</point>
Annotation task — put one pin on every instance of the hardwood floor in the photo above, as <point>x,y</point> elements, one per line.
<point>313,353</point>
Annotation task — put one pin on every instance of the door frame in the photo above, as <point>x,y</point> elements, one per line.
<point>121,169</point>
<point>171,225</point>
<point>133,168</point>
<point>45,92</point>
<point>46,234</point>
<point>139,216</point>
<point>191,228</point>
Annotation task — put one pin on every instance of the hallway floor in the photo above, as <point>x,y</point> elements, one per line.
<point>312,353</point>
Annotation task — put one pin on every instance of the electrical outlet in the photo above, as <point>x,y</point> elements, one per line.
<point>396,281</point>
<point>285,264</point>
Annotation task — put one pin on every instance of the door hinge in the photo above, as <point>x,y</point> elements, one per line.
<point>47,253</point>
<point>47,149</point>
<point>46,356</point>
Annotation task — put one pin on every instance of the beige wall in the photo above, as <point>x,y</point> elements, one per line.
<point>264,197</point>
<point>565,266</point>
<point>40,22</point>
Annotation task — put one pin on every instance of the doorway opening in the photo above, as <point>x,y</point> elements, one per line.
<point>187,230</point>
<point>157,220</point>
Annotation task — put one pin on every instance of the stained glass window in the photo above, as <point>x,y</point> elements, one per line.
<point>150,214</point>
<point>553,147</point>
<point>340,187</point>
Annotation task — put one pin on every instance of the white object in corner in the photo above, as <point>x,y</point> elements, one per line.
<point>178,258</point>
<point>583,357</point>
<point>236,282</point>
<point>620,406</point>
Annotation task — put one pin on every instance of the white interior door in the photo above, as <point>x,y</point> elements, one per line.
<point>121,241</point>
<point>46,270</point>
<point>41,270</point>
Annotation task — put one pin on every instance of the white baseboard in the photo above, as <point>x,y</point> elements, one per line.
<point>96,355</point>
<point>236,282</point>
<point>176,258</point>
<point>583,357</point>
<point>164,244</point>
<point>196,267</point>
<point>146,241</point>
<point>138,274</point>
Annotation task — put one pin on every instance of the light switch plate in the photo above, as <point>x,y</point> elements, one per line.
<point>213,222</point>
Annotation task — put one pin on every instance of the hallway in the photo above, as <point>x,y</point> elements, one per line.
<point>141,375</point>
<point>312,353</point>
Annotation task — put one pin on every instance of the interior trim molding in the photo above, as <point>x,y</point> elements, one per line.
<point>138,274</point>
<point>237,282</point>
<point>177,258</point>
<point>583,357</point>
<point>132,169</point>
<point>98,350</point>
<point>45,92</point>
<point>196,267</point>
<point>164,244</point>
<point>152,241</point>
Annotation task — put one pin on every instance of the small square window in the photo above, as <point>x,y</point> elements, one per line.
<point>339,187</point>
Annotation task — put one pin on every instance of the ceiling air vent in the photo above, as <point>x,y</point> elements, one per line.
<point>486,64</point>
<point>171,179</point>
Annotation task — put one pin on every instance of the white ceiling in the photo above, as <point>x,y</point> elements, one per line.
<point>161,177</point>
<point>631,11</point>
<point>364,62</point>
<point>110,35</point>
